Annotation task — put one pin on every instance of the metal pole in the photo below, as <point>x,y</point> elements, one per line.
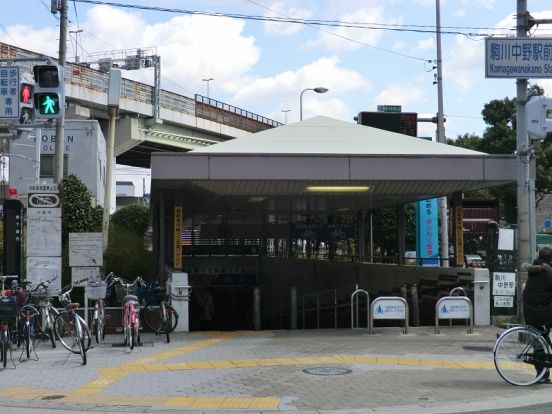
<point>371,238</point>
<point>293,308</point>
<point>522,150</point>
<point>60,123</point>
<point>441,135</point>
<point>108,174</point>
<point>257,308</point>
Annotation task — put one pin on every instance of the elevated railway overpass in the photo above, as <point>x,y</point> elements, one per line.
<point>182,124</point>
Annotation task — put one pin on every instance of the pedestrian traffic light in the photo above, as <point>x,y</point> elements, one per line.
<point>49,96</point>
<point>26,107</point>
<point>26,93</point>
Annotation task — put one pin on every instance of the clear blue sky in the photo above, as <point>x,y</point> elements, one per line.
<point>263,66</point>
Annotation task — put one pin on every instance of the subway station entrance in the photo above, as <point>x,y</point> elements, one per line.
<point>228,215</point>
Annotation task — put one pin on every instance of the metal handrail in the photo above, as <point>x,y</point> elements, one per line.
<point>353,295</point>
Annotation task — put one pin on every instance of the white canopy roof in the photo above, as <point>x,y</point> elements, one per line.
<point>273,171</point>
<point>323,135</point>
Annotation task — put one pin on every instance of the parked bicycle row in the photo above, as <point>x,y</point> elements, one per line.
<point>27,313</point>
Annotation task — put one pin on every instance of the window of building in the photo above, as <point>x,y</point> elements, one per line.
<point>47,165</point>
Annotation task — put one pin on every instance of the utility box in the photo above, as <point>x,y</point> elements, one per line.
<point>481,297</point>
<point>179,291</point>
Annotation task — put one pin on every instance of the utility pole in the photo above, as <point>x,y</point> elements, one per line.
<point>441,135</point>
<point>523,160</point>
<point>60,122</point>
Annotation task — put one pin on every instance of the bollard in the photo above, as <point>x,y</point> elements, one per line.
<point>415,306</point>
<point>293,308</point>
<point>257,308</point>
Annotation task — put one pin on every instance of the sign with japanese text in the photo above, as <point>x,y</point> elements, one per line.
<point>389,308</point>
<point>427,245</point>
<point>526,57</point>
<point>459,235</point>
<point>85,249</point>
<point>9,92</point>
<point>177,262</point>
<point>453,308</point>
<point>503,301</point>
<point>44,221</point>
<point>504,283</point>
<point>389,108</point>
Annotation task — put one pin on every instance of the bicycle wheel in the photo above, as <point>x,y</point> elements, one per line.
<point>99,324</point>
<point>5,344</point>
<point>28,338</point>
<point>172,317</point>
<point>133,337</point>
<point>66,331</point>
<point>82,350</point>
<point>151,316</point>
<point>520,356</point>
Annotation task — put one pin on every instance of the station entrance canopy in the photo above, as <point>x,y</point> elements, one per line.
<point>306,167</point>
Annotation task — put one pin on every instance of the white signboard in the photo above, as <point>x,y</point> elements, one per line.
<point>81,273</point>
<point>85,249</point>
<point>505,239</point>
<point>511,57</point>
<point>44,221</point>
<point>389,309</point>
<point>43,236</point>
<point>40,269</point>
<point>453,308</point>
<point>503,301</point>
<point>9,92</point>
<point>504,283</point>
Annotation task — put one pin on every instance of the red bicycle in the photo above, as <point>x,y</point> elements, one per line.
<point>131,320</point>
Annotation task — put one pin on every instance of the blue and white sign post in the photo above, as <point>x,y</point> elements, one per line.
<point>9,92</point>
<point>510,57</point>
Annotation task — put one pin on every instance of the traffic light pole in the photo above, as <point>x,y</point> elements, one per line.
<point>60,122</point>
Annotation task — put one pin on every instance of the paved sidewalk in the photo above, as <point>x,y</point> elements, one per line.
<point>388,372</point>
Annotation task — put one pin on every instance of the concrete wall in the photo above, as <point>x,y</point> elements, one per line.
<point>277,276</point>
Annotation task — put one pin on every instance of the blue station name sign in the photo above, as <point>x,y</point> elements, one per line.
<point>522,57</point>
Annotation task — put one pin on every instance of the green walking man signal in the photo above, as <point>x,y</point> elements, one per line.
<point>48,103</point>
<point>49,93</point>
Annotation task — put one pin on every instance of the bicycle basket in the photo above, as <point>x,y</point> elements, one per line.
<point>149,294</point>
<point>8,308</point>
<point>39,295</point>
<point>96,290</point>
<point>120,292</point>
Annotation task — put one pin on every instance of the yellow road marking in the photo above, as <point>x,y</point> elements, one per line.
<point>90,393</point>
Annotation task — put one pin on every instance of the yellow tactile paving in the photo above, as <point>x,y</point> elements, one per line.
<point>91,393</point>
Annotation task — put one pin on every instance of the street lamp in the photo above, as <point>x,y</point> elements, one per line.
<point>207,80</point>
<point>317,90</point>
<point>285,111</point>
<point>76,33</point>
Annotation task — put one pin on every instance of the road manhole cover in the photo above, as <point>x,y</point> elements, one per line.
<point>478,348</point>
<point>53,397</point>
<point>327,371</point>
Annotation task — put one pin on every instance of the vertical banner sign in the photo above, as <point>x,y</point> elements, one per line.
<point>9,92</point>
<point>427,246</point>
<point>177,235</point>
<point>13,236</point>
<point>459,235</point>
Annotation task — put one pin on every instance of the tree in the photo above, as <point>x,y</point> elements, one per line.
<point>126,254</point>
<point>78,214</point>
<point>133,218</point>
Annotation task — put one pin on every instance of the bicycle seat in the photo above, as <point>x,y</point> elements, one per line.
<point>130,297</point>
<point>72,305</point>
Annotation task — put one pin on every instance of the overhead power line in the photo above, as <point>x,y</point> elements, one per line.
<point>330,23</point>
